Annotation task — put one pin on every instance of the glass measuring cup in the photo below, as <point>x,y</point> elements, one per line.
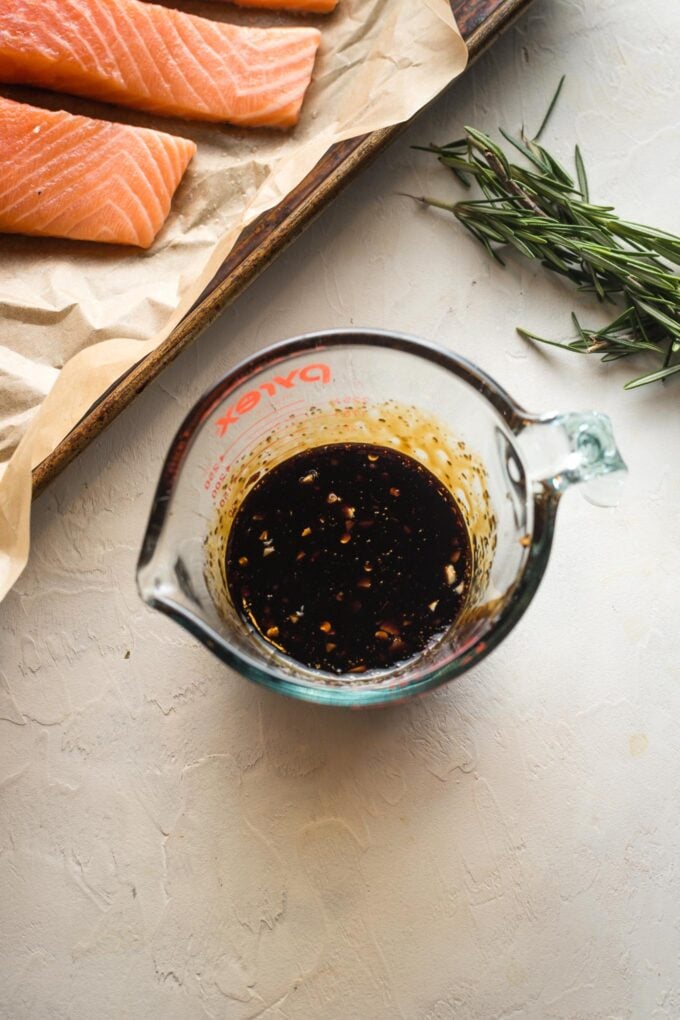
<point>506,468</point>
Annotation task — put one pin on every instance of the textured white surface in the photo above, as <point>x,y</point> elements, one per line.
<point>177,843</point>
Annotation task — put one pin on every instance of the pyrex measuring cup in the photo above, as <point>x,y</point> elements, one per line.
<point>506,468</point>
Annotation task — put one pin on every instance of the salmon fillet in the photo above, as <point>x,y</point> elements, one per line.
<point>67,176</point>
<point>304,6</point>
<point>158,59</point>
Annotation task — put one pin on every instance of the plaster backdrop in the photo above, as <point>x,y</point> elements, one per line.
<point>177,843</point>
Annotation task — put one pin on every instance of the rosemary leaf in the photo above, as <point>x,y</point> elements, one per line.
<point>581,174</point>
<point>553,103</point>
<point>642,380</point>
<point>526,335</point>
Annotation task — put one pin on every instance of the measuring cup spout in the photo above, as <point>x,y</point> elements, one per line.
<point>571,448</point>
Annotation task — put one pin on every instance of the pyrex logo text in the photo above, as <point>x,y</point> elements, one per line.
<point>310,373</point>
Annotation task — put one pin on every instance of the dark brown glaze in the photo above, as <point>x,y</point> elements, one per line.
<point>349,557</point>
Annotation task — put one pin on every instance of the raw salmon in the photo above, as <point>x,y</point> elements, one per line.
<point>158,59</point>
<point>66,176</point>
<point>304,6</point>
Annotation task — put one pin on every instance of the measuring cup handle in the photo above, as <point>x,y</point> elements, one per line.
<point>561,450</point>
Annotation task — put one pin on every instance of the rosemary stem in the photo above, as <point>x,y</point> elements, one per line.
<point>544,214</point>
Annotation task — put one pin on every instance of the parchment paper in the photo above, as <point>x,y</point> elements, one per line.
<point>76,316</point>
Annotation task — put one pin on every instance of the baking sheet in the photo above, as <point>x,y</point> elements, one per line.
<point>76,316</point>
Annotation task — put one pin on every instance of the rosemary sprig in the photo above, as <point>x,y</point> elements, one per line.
<point>544,213</point>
